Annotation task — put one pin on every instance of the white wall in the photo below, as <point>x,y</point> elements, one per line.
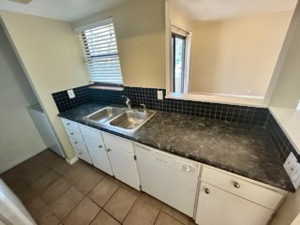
<point>237,56</point>
<point>286,84</point>
<point>52,59</point>
<point>19,139</point>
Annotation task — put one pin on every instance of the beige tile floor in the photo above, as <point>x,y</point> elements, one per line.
<point>56,193</point>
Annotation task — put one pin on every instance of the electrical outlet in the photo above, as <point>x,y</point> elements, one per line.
<point>71,93</point>
<point>292,167</point>
<point>160,95</point>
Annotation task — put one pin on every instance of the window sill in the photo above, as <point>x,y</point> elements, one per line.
<point>110,88</point>
<point>213,98</point>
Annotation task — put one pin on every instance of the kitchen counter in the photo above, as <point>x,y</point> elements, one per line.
<point>244,151</point>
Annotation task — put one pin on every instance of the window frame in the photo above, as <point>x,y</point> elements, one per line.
<point>179,32</point>
<point>80,30</point>
<point>184,59</point>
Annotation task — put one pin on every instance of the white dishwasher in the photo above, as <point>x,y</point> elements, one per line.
<point>169,178</point>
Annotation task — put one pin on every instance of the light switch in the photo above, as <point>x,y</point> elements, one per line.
<point>160,95</point>
<point>71,93</point>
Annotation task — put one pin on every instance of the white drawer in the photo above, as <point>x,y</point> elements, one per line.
<point>72,129</point>
<point>68,124</point>
<point>242,187</point>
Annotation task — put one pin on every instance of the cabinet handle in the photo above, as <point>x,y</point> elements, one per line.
<point>68,124</point>
<point>207,191</point>
<point>236,184</point>
<point>72,133</point>
<point>100,146</point>
<point>108,150</point>
<point>76,142</point>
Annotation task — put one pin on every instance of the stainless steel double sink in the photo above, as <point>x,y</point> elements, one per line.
<point>121,119</point>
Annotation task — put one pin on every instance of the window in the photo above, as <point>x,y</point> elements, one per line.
<point>101,52</point>
<point>180,59</point>
<point>179,62</point>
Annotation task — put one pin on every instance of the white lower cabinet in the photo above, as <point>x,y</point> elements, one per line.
<point>218,207</point>
<point>122,158</point>
<point>229,199</point>
<point>223,198</point>
<point>96,147</point>
<point>169,178</point>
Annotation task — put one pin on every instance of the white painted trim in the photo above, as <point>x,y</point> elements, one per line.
<point>72,161</point>
<point>167,47</point>
<point>187,62</point>
<point>231,100</point>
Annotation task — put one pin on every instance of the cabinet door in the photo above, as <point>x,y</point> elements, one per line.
<point>169,178</point>
<point>218,207</point>
<point>122,158</point>
<point>96,148</point>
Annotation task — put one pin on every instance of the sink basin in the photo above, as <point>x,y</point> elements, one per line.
<point>131,121</point>
<point>105,114</point>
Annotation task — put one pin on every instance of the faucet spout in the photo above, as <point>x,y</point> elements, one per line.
<point>128,102</point>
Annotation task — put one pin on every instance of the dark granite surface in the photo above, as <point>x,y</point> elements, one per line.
<point>245,151</point>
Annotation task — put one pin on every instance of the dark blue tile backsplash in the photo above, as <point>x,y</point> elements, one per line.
<point>148,96</point>
<point>240,115</point>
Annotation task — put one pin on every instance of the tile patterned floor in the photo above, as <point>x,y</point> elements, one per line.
<point>56,193</point>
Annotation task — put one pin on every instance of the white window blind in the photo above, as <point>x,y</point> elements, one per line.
<point>102,54</point>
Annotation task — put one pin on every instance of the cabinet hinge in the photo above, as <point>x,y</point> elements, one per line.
<point>134,157</point>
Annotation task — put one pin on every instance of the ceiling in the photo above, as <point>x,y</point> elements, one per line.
<point>221,9</point>
<point>68,10</point>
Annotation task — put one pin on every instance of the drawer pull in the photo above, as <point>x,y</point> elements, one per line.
<point>236,184</point>
<point>76,142</point>
<point>72,133</point>
<point>207,191</point>
<point>100,146</point>
<point>68,124</point>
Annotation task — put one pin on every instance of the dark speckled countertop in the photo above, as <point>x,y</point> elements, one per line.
<point>244,151</point>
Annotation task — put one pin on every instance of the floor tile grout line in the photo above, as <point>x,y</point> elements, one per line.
<point>156,218</point>
<point>112,216</point>
<point>98,213</point>
<point>84,196</point>
<point>162,211</point>
<point>106,200</point>
<point>140,193</point>
<point>52,182</point>
<point>62,220</point>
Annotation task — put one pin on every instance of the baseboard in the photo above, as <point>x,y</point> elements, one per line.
<point>73,160</point>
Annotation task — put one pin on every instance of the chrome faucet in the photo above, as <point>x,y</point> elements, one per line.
<point>128,102</point>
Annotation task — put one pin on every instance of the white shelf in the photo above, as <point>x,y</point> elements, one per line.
<point>231,100</point>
